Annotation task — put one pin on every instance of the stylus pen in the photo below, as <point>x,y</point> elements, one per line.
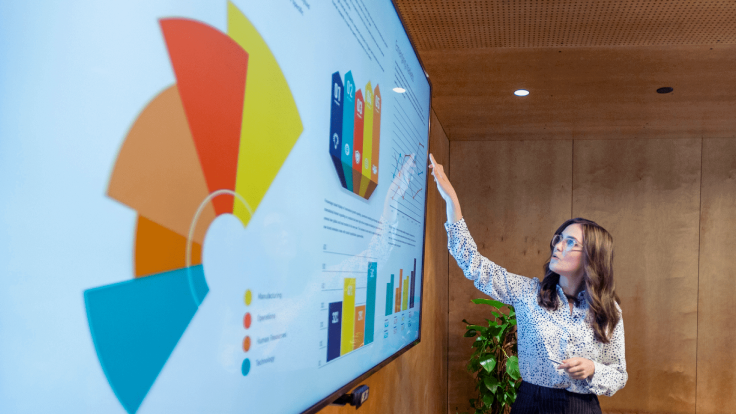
<point>555,361</point>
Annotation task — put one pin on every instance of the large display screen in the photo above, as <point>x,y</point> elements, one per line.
<point>207,206</point>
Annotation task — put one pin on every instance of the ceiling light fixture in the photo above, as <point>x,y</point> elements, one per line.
<point>399,90</point>
<point>521,92</point>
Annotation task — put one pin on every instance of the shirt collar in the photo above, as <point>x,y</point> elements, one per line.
<point>581,294</point>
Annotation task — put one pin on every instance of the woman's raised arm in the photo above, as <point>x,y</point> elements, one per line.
<point>487,276</point>
<point>446,191</point>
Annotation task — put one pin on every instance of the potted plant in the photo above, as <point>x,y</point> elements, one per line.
<point>494,361</point>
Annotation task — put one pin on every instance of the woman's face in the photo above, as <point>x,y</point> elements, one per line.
<point>565,262</point>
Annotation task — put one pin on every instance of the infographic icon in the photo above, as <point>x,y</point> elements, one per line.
<point>355,134</point>
<point>210,144</point>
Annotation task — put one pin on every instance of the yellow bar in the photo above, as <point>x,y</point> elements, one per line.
<point>405,300</point>
<point>348,317</point>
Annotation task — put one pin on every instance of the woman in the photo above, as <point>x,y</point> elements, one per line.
<point>571,316</point>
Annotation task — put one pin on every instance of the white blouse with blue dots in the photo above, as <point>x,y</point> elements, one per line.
<point>541,333</point>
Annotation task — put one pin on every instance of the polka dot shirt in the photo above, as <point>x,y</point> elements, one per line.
<point>544,334</point>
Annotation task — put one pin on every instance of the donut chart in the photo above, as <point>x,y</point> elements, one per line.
<point>210,144</point>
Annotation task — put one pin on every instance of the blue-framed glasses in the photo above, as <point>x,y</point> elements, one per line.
<point>568,243</point>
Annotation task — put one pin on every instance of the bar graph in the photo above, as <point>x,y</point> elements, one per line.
<point>355,134</point>
<point>351,302</point>
<point>351,326</point>
<point>400,298</point>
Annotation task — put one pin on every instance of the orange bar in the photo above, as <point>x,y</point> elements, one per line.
<point>359,326</point>
<point>398,296</point>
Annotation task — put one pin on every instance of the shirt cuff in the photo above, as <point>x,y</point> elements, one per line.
<point>589,380</point>
<point>453,228</point>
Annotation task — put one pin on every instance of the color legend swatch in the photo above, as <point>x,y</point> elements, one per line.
<point>355,134</point>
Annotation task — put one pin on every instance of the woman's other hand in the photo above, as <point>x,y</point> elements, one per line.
<point>578,368</point>
<point>446,190</point>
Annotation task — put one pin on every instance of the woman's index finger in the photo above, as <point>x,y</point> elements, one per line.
<point>431,159</point>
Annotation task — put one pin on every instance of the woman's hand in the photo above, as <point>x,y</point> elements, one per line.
<point>446,191</point>
<point>578,368</point>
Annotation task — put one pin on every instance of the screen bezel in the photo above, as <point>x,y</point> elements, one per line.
<point>354,383</point>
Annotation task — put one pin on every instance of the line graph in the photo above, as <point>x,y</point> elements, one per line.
<point>409,161</point>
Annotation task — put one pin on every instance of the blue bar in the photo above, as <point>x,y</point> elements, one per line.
<point>390,296</point>
<point>348,123</point>
<point>334,327</point>
<point>336,149</point>
<point>370,306</point>
<point>413,283</point>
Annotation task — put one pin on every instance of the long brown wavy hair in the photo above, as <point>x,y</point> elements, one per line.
<point>600,289</point>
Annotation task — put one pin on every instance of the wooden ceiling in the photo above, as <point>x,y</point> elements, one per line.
<point>592,67</point>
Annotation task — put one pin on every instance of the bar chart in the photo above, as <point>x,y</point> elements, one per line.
<point>401,297</point>
<point>351,323</point>
<point>351,326</point>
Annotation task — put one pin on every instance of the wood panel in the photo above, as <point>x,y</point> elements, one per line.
<point>416,382</point>
<point>584,92</point>
<point>442,24</point>
<point>716,294</point>
<point>513,195</point>
<point>647,195</point>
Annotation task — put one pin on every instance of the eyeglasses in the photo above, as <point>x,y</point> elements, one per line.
<point>568,243</point>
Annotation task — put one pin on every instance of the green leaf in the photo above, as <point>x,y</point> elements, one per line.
<point>512,321</point>
<point>475,327</point>
<point>512,367</point>
<point>488,400</point>
<point>491,383</point>
<point>470,332</point>
<point>466,322</point>
<point>494,331</point>
<point>496,304</point>
<point>489,363</point>
<point>501,331</point>
<point>496,314</point>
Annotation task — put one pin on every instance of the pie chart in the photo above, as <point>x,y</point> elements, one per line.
<point>210,144</point>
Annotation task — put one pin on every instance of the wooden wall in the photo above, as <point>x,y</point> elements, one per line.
<point>673,266</point>
<point>416,382</point>
<point>716,362</point>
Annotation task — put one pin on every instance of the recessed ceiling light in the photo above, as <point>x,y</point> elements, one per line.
<point>666,89</point>
<point>399,90</point>
<point>521,92</point>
